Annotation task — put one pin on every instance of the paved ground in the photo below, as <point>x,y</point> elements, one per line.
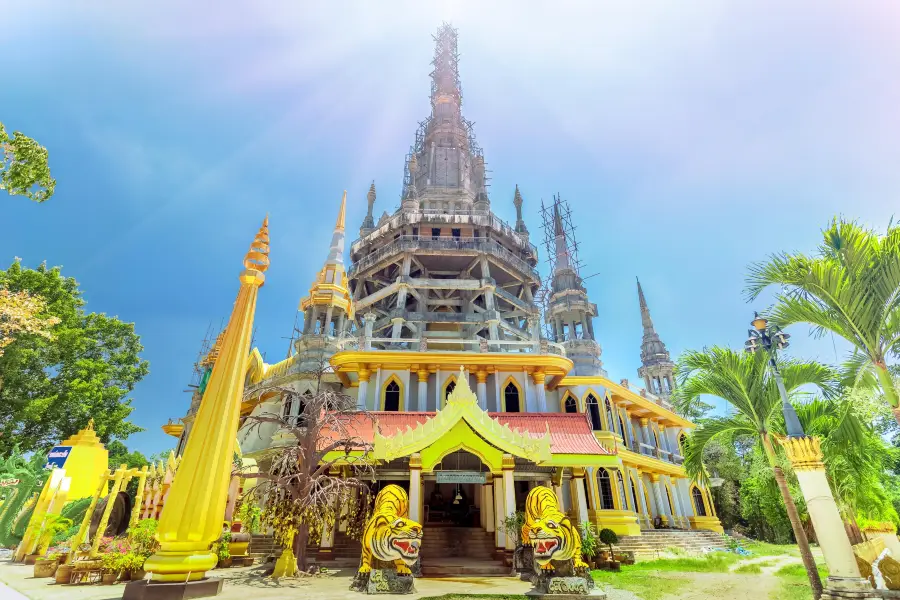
<point>247,582</point>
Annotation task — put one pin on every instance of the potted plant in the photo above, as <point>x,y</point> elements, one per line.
<point>609,537</point>
<point>143,544</point>
<point>111,563</point>
<point>589,541</point>
<point>222,552</point>
<point>46,567</point>
<point>42,529</point>
<point>512,526</point>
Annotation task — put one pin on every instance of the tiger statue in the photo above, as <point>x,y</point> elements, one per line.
<point>390,535</point>
<point>548,530</point>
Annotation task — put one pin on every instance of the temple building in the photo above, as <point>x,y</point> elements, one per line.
<point>482,382</point>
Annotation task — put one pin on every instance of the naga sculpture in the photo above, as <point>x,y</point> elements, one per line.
<point>549,532</point>
<point>390,535</point>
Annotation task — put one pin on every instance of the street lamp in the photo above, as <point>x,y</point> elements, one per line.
<point>773,339</point>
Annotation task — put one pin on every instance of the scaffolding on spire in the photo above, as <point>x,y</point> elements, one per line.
<point>555,217</point>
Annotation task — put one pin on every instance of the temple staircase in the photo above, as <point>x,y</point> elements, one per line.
<point>653,542</point>
<point>262,546</point>
<point>460,551</point>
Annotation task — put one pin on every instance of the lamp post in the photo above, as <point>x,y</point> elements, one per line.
<point>772,340</point>
<point>807,460</point>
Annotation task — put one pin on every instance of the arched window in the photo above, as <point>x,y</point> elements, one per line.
<point>392,396</point>
<point>634,495</point>
<point>681,441</point>
<point>606,493</point>
<point>623,503</point>
<point>286,408</point>
<point>594,413</point>
<point>699,506</point>
<point>622,431</point>
<point>449,390</point>
<point>570,406</point>
<point>511,397</point>
<point>609,412</point>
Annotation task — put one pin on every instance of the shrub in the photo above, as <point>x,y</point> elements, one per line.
<point>609,537</point>
<point>512,526</point>
<point>588,539</point>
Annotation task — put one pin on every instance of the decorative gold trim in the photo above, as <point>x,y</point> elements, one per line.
<point>804,453</point>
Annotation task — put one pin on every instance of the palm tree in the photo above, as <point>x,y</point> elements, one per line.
<point>850,287</point>
<point>748,385</point>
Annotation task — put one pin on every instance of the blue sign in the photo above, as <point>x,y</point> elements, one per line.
<point>57,457</point>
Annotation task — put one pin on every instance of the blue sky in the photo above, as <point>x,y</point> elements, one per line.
<point>690,138</point>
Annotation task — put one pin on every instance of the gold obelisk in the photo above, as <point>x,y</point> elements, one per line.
<point>192,517</point>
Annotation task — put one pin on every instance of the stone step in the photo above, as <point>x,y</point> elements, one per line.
<point>485,569</point>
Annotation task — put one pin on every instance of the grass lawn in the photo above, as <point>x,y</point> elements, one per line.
<point>654,579</point>
<point>795,583</point>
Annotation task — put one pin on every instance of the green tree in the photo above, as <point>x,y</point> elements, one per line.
<point>850,287</point>
<point>119,455</point>
<point>24,170</point>
<point>52,388</point>
<point>746,382</point>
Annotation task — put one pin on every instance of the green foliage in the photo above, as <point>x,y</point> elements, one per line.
<point>589,539</point>
<point>250,515</point>
<point>112,562</point>
<point>20,524</point>
<point>220,547</point>
<point>30,473</point>
<point>608,537</point>
<point>143,537</point>
<point>512,525</point>
<point>51,389</point>
<point>45,527</point>
<point>24,170</point>
<point>119,455</point>
<point>794,582</point>
<point>850,287</point>
<point>74,511</point>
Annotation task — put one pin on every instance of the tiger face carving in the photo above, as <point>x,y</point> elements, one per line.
<point>548,530</point>
<point>390,535</point>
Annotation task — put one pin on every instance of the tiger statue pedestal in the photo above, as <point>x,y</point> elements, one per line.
<point>390,546</point>
<point>556,546</point>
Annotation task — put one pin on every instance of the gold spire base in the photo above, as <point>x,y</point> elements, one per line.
<point>804,453</point>
<point>180,562</point>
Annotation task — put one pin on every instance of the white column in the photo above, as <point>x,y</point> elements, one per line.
<point>509,493</point>
<point>679,509</point>
<point>481,388</point>
<point>530,404</point>
<point>581,499</point>
<point>497,397</point>
<point>642,502</point>
<point>376,402</point>
<point>422,400</point>
<point>805,455</point>
<point>362,395</point>
<point>557,489</point>
<point>539,382</point>
<point>487,507</point>
<point>438,384</point>
<point>661,504</point>
<point>500,541</point>
<point>415,487</point>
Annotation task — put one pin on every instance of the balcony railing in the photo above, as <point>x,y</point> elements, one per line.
<point>426,242</point>
<point>665,455</point>
<point>468,345</point>
<point>467,216</point>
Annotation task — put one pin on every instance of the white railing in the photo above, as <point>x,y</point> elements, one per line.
<point>476,345</point>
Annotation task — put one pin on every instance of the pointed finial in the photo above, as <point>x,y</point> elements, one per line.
<point>90,425</point>
<point>257,258</point>
<point>413,165</point>
<point>371,195</point>
<point>339,226</point>
<point>557,219</point>
<point>517,198</point>
<point>641,299</point>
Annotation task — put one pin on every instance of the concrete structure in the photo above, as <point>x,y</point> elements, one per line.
<point>434,329</point>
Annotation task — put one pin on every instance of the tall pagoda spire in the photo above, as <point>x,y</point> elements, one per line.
<point>445,169</point>
<point>336,251</point>
<point>657,368</point>
<point>517,202</point>
<point>369,221</point>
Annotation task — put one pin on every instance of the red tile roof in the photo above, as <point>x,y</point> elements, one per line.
<point>570,433</point>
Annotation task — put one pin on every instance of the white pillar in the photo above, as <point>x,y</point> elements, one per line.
<point>661,504</point>
<point>422,400</point>
<point>557,489</point>
<point>509,493</point>
<point>362,395</point>
<point>487,507</point>
<point>415,487</point>
<point>500,538</point>
<point>581,498</point>
<point>481,388</point>
<point>541,391</point>
<point>642,502</point>
<point>805,455</point>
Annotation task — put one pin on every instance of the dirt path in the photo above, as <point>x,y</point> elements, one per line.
<point>733,586</point>
<point>768,564</point>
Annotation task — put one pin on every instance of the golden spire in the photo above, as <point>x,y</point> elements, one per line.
<point>339,226</point>
<point>257,258</point>
<point>90,425</point>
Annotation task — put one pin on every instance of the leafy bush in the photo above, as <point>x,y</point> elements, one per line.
<point>220,547</point>
<point>143,537</point>
<point>250,515</point>
<point>589,539</point>
<point>512,526</point>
